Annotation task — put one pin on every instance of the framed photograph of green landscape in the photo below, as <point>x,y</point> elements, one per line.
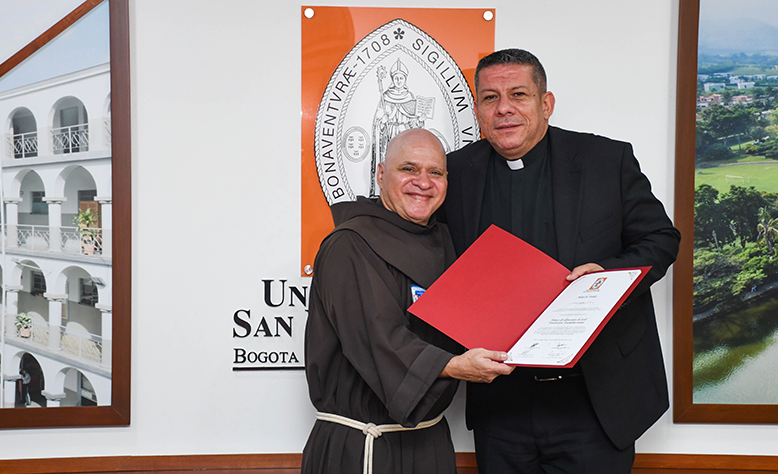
<point>725,326</point>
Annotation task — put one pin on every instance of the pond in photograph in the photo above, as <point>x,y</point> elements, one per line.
<point>736,355</point>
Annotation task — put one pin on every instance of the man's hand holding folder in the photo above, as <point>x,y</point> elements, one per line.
<point>504,294</point>
<point>485,363</point>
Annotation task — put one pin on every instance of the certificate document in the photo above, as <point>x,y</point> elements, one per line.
<point>567,324</point>
<point>506,295</point>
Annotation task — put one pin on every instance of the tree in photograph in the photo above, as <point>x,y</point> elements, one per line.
<point>767,230</point>
<point>710,226</point>
<point>772,200</point>
<point>769,148</point>
<point>714,274</point>
<point>757,132</point>
<point>728,94</point>
<point>750,276</point>
<point>716,152</point>
<point>702,140</point>
<point>740,207</point>
<point>756,269</point>
<point>723,122</point>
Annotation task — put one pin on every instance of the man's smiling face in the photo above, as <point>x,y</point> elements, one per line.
<point>512,113</point>
<point>413,177</point>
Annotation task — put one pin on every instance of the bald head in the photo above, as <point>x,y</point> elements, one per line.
<point>415,137</point>
<point>412,177</point>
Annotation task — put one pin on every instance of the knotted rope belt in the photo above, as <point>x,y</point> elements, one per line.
<point>373,431</point>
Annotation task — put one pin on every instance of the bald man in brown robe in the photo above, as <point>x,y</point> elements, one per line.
<point>369,363</point>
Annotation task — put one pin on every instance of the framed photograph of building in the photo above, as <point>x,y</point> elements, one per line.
<point>726,206</point>
<point>65,260</point>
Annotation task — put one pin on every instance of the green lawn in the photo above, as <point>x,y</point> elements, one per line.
<point>762,176</point>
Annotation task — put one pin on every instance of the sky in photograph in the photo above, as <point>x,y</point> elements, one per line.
<point>83,45</point>
<point>743,26</point>
<point>765,11</point>
<point>23,21</point>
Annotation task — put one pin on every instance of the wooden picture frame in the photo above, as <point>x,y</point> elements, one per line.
<point>684,408</point>
<point>118,412</point>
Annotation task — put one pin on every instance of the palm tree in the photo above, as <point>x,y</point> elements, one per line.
<point>767,230</point>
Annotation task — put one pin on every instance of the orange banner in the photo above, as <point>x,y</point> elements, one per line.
<point>368,74</point>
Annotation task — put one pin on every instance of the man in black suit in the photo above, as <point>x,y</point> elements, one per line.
<point>583,200</point>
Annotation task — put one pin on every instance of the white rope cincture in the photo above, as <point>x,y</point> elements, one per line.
<point>373,431</point>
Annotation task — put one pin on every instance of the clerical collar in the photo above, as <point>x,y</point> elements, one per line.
<point>534,154</point>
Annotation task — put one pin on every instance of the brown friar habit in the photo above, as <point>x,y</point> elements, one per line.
<point>366,357</point>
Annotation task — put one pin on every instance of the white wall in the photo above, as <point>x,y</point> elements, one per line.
<point>216,151</point>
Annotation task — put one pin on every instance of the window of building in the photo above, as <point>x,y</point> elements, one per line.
<point>86,195</point>
<point>87,291</point>
<point>38,283</point>
<point>38,205</point>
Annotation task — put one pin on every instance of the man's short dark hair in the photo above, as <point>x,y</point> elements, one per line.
<point>514,56</point>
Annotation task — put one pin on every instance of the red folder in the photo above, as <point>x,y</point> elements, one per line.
<point>494,292</point>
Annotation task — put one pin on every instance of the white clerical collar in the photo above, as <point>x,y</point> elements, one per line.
<point>515,164</point>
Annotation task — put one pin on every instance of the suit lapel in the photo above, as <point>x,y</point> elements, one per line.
<point>567,189</point>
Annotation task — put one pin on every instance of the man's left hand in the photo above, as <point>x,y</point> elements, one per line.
<point>583,270</point>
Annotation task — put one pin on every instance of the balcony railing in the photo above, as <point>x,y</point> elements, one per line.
<point>82,241</point>
<point>81,345</point>
<point>23,145</point>
<point>72,240</point>
<point>37,332</point>
<point>33,237</point>
<point>84,346</point>
<point>71,139</point>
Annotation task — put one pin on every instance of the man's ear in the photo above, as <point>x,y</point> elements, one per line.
<point>379,177</point>
<point>548,104</point>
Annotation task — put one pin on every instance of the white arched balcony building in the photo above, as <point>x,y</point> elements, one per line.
<point>55,156</point>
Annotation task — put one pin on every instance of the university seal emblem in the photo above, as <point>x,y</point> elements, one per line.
<point>396,78</point>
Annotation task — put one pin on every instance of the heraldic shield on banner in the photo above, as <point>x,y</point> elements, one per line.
<point>396,78</point>
<point>368,74</point>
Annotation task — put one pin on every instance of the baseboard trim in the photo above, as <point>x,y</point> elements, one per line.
<point>222,463</point>
<point>689,463</point>
<point>290,463</point>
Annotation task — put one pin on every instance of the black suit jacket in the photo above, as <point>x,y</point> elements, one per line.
<point>604,213</point>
